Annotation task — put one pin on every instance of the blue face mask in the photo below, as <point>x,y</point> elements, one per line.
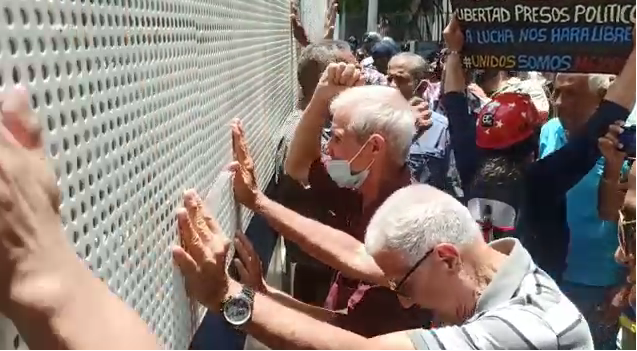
<point>341,172</point>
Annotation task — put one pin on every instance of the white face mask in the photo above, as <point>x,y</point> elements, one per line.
<point>341,172</point>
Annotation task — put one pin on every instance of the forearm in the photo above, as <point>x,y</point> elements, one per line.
<point>75,310</point>
<point>279,327</point>
<point>454,75</point>
<point>318,313</point>
<point>333,247</point>
<point>610,198</point>
<point>305,146</point>
<point>622,91</point>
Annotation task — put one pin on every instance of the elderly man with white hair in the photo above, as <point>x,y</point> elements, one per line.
<point>591,274</point>
<point>371,129</point>
<point>489,296</point>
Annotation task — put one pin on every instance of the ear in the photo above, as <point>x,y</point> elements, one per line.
<point>449,256</point>
<point>377,143</point>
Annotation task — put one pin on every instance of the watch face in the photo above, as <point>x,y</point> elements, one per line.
<point>237,311</point>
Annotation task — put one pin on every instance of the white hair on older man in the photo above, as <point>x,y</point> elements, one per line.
<point>415,219</point>
<point>382,110</point>
<point>599,83</point>
<point>415,64</point>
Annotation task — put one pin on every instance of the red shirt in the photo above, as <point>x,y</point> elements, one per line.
<point>371,309</point>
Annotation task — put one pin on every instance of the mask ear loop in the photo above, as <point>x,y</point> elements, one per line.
<point>358,154</point>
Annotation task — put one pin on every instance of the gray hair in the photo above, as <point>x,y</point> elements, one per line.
<point>414,63</point>
<point>314,59</point>
<point>414,219</point>
<point>382,110</point>
<point>599,83</point>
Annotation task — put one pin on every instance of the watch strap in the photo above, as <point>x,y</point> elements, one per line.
<point>248,292</point>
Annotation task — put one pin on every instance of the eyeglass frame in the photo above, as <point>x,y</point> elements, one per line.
<point>395,287</point>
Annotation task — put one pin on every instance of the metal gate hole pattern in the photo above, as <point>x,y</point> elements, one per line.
<point>135,97</point>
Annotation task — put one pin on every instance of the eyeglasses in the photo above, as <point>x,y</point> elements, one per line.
<point>395,287</point>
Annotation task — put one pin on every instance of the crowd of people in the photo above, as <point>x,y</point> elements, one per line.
<point>423,206</point>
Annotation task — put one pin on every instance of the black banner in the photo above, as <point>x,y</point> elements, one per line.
<point>588,36</point>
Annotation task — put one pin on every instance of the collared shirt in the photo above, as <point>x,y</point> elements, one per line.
<point>371,310</point>
<point>431,159</point>
<point>373,77</point>
<point>593,241</point>
<point>521,309</point>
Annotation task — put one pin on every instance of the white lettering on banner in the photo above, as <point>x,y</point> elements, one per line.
<point>541,14</point>
<point>604,14</point>
<point>484,14</point>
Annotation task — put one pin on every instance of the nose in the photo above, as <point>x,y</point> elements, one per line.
<point>392,83</point>
<point>405,301</point>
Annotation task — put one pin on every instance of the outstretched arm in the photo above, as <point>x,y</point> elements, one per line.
<point>52,298</point>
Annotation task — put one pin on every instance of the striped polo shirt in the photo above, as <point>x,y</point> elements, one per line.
<point>521,309</point>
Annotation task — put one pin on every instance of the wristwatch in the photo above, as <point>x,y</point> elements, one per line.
<point>237,310</point>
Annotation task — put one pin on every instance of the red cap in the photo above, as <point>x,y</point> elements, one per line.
<point>505,121</point>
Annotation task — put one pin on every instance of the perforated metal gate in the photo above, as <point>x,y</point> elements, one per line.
<point>135,97</point>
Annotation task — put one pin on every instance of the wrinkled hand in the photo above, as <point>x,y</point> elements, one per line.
<point>336,78</point>
<point>246,190</point>
<point>422,113</point>
<point>32,240</point>
<point>610,146</point>
<point>297,27</point>
<point>330,19</point>
<point>248,264</point>
<point>202,254</point>
<point>453,35</point>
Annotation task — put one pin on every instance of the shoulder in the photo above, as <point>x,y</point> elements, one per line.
<point>551,127</point>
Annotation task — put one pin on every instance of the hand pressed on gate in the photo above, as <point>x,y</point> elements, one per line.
<point>246,190</point>
<point>202,257</point>
<point>248,264</point>
<point>49,294</point>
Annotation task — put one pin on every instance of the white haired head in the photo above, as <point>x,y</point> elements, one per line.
<point>380,110</point>
<point>415,219</point>
<point>414,63</point>
<point>599,83</point>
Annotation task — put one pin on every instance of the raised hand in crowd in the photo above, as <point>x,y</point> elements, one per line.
<point>610,146</point>
<point>330,19</point>
<point>422,113</point>
<point>336,78</point>
<point>47,291</point>
<point>611,188</point>
<point>297,27</point>
<point>452,34</point>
